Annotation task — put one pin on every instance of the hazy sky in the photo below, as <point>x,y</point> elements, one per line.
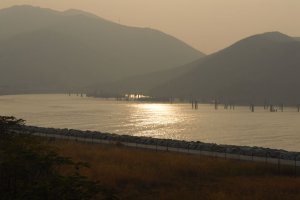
<point>207,25</point>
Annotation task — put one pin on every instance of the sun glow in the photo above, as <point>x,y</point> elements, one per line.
<point>157,108</point>
<point>154,119</point>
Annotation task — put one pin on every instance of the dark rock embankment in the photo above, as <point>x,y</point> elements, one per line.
<point>190,145</point>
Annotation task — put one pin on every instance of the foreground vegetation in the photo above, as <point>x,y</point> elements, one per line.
<point>41,168</point>
<point>32,170</point>
<point>143,174</point>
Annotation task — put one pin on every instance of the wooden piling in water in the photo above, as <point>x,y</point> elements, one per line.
<point>252,107</point>
<point>281,107</point>
<point>272,108</point>
<point>216,105</point>
<point>225,106</point>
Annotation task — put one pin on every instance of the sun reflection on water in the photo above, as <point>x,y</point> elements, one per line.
<point>155,108</point>
<point>154,120</point>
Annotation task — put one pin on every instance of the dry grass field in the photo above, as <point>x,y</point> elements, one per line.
<point>143,174</point>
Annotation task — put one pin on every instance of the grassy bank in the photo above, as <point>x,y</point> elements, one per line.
<point>142,174</point>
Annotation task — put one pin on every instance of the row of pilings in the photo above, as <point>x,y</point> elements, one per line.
<point>272,108</point>
<point>76,94</point>
<point>195,103</point>
<point>232,106</point>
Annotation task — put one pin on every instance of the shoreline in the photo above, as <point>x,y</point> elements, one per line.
<point>222,104</point>
<point>194,147</point>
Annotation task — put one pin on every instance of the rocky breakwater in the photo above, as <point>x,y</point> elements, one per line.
<point>179,144</point>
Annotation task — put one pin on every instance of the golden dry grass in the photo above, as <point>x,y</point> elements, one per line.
<point>142,174</point>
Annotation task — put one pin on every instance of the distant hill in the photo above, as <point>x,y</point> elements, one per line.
<point>297,38</point>
<point>140,84</point>
<point>43,49</point>
<point>258,68</point>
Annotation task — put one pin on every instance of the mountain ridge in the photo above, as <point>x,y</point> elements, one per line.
<point>259,68</point>
<point>115,51</point>
<point>248,71</point>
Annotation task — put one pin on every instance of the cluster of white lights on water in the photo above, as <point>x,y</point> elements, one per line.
<point>135,96</point>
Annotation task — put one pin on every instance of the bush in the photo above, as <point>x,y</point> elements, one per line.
<point>32,170</point>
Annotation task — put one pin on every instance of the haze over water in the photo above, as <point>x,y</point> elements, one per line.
<point>176,121</point>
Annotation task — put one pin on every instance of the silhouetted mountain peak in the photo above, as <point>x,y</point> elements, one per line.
<point>26,9</point>
<point>274,36</point>
<point>259,41</point>
<point>79,12</point>
<point>267,38</point>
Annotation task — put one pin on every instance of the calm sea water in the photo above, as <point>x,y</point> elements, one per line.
<point>176,121</point>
